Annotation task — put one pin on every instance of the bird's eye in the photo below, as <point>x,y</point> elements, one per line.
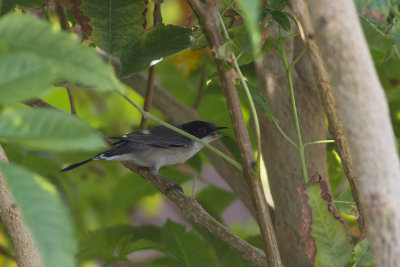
<point>202,131</point>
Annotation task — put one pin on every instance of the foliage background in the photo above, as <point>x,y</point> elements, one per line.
<point>112,209</point>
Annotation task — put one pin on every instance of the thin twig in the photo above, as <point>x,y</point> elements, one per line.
<point>284,134</point>
<point>157,20</point>
<point>195,213</point>
<point>6,253</point>
<point>149,96</point>
<point>71,101</point>
<point>300,145</point>
<point>39,103</point>
<point>62,17</point>
<point>200,89</point>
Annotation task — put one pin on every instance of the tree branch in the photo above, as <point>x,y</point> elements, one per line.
<point>209,19</point>
<point>26,252</point>
<point>326,93</point>
<point>363,110</point>
<point>195,213</point>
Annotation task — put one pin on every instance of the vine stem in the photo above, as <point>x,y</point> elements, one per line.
<point>151,117</point>
<point>252,106</point>
<point>284,134</point>
<point>300,145</point>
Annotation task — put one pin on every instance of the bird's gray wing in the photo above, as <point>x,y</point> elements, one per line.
<point>158,136</point>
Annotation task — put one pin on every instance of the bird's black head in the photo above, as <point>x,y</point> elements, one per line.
<point>201,129</point>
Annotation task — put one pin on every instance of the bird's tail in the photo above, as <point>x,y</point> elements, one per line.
<point>73,166</point>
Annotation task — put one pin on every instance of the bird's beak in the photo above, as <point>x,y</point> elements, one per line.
<point>217,135</point>
<point>220,128</point>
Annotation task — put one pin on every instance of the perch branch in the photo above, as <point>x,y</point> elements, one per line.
<point>195,213</point>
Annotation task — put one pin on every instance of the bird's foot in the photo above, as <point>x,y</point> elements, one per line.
<point>174,186</point>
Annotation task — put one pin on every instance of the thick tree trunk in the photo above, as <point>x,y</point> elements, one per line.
<point>282,159</point>
<point>363,110</point>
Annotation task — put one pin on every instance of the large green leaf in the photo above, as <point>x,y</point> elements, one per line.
<point>22,76</point>
<point>154,44</point>
<point>327,236</point>
<point>362,255</point>
<point>114,22</point>
<point>114,243</point>
<point>185,249</point>
<point>69,60</point>
<point>215,200</point>
<point>281,18</point>
<point>48,129</point>
<point>345,202</point>
<point>44,214</point>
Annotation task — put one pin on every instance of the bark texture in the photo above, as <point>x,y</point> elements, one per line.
<point>326,93</point>
<point>363,110</point>
<point>282,159</point>
<point>26,252</point>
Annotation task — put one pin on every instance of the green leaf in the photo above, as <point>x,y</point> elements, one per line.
<point>258,98</point>
<point>129,190</point>
<point>395,33</point>
<point>7,5</point>
<point>251,10</point>
<point>185,249</point>
<point>239,44</point>
<point>376,10</point>
<point>43,213</point>
<point>40,128</point>
<point>362,255</point>
<point>377,41</point>
<point>278,4</point>
<point>114,22</point>
<point>345,202</point>
<point>327,236</point>
<point>215,200</point>
<point>154,44</point>
<point>69,60</point>
<point>281,19</point>
<point>23,76</point>
<point>123,239</point>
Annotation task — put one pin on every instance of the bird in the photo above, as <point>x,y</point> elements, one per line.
<point>158,146</point>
